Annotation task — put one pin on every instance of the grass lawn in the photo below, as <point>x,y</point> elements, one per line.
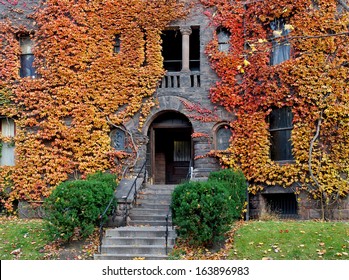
<point>28,240</point>
<point>254,240</point>
<point>277,240</point>
<point>24,238</point>
<point>291,240</point>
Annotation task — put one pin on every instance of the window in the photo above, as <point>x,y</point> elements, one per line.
<point>282,204</point>
<point>117,43</point>
<point>281,49</point>
<point>173,45</point>
<point>7,129</point>
<point>172,49</point>
<point>280,127</point>
<point>223,135</point>
<point>27,57</point>
<point>118,139</point>
<point>223,36</point>
<point>181,151</point>
<point>194,48</point>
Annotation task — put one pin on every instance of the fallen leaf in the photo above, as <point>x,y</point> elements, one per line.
<point>16,252</point>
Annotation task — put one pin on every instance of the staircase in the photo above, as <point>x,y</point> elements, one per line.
<point>144,237</point>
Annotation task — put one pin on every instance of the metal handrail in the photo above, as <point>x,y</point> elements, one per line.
<point>190,171</point>
<point>134,185</point>
<point>167,231</point>
<point>102,222</point>
<point>101,217</point>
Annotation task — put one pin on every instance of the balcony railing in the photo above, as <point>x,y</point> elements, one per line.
<point>190,79</point>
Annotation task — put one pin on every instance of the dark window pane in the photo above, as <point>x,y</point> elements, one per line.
<point>283,204</point>
<point>280,125</point>
<point>117,43</point>
<point>194,50</point>
<point>172,50</point>
<point>117,137</point>
<point>281,118</point>
<point>27,69</point>
<point>223,138</point>
<point>281,146</point>
<point>181,151</point>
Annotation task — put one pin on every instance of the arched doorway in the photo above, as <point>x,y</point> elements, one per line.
<point>170,148</point>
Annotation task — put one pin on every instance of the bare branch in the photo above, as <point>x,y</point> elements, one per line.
<point>132,140</point>
<point>312,142</point>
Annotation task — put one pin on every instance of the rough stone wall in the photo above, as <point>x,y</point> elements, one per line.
<point>189,91</point>
<point>308,209</point>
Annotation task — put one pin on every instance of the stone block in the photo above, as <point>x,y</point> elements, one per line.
<point>314,214</point>
<point>341,214</point>
<point>27,210</point>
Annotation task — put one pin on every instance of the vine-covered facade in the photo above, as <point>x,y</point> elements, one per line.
<point>184,85</point>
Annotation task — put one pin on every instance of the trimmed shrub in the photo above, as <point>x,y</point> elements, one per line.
<point>108,178</point>
<point>204,211</point>
<point>235,183</point>
<point>74,207</point>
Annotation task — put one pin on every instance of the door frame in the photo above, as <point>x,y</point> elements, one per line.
<point>153,145</point>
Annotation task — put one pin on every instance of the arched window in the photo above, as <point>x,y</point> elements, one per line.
<point>223,36</point>
<point>223,135</point>
<point>118,139</point>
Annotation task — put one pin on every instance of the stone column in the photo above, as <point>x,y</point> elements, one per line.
<point>186,31</point>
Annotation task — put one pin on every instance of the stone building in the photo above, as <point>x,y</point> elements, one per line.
<point>173,140</point>
<point>166,138</point>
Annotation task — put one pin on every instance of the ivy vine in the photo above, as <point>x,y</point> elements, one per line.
<point>80,79</point>
<point>314,82</point>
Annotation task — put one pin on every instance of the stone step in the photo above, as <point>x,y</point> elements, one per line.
<point>136,250</point>
<point>156,192</point>
<point>160,241</point>
<point>146,205</point>
<point>129,257</point>
<point>138,232</point>
<point>160,187</point>
<point>144,238</point>
<point>151,201</point>
<point>148,217</point>
<point>149,211</point>
<point>149,223</point>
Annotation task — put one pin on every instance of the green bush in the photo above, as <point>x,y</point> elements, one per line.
<point>235,182</point>
<point>204,211</point>
<point>74,207</point>
<point>108,178</point>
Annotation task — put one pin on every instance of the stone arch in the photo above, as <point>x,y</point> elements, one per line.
<point>166,103</point>
<point>170,147</point>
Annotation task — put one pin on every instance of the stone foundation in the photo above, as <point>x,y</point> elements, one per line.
<point>308,209</point>
<point>30,210</point>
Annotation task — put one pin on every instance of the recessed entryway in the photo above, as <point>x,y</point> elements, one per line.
<point>170,148</point>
